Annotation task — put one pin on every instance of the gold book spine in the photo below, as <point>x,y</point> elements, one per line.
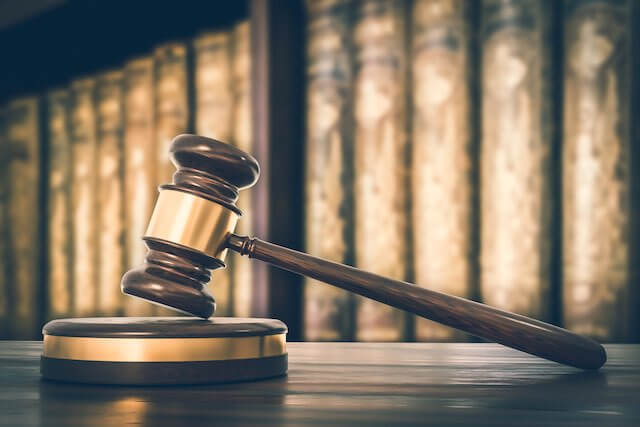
<point>171,109</point>
<point>442,155</point>
<point>596,170</point>
<point>517,134</point>
<point>214,106</point>
<point>23,135</point>
<point>84,186</point>
<point>241,128</point>
<point>380,158</point>
<point>5,249</point>
<point>171,103</point>
<point>213,85</point>
<point>140,173</point>
<point>109,107</point>
<point>60,289</point>
<point>329,156</point>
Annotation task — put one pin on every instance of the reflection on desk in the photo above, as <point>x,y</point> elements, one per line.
<point>347,383</point>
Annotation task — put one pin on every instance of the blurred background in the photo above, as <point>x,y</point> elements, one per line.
<point>479,148</point>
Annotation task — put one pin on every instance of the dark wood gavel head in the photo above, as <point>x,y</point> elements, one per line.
<point>191,221</point>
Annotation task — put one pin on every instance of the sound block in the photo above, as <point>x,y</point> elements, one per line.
<point>163,350</point>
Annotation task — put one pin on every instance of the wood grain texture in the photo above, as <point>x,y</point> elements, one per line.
<point>347,384</point>
<point>513,330</point>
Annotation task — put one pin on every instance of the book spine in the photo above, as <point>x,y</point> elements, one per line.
<point>241,128</point>
<point>380,158</point>
<point>213,109</point>
<point>517,134</point>
<point>140,179</point>
<point>171,106</point>
<point>5,248</point>
<point>596,170</point>
<point>329,157</point>
<point>442,156</point>
<point>60,289</point>
<point>172,111</point>
<point>109,108</point>
<point>24,207</point>
<point>84,197</point>
<point>213,85</point>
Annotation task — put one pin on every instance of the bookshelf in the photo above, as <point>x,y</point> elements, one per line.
<point>311,80</point>
<point>47,43</point>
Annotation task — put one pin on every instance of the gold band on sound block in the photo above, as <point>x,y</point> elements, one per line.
<point>163,349</point>
<point>192,221</point>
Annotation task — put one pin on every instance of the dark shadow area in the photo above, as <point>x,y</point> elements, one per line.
<point>82,37</point>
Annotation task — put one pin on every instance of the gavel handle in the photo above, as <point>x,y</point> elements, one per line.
<point>513,330</point>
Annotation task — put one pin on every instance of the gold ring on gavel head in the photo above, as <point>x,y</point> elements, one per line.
<point>163,349</point>
<point>192,221</point>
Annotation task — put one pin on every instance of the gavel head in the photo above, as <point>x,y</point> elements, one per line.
<point>192,218</point>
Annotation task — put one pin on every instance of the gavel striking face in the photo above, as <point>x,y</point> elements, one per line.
<point>192,227</point>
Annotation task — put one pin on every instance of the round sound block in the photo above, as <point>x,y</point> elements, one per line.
<point>163,350</point>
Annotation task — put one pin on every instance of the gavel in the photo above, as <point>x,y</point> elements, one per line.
<point>191,231</point>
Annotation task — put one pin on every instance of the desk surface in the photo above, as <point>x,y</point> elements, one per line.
<point>350,383</point>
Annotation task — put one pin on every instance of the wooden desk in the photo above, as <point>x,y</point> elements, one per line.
<point>356,384</point>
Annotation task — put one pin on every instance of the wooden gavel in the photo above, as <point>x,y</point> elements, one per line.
<point>192,227</point>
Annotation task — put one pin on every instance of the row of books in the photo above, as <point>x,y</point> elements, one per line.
<point>464,154</point>
<point>458,149</point>
<point>81,168</point>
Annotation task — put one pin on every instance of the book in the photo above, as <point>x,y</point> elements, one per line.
<point>5,249</point>
<point>171,103</point>
<point>60,290</point>
<point>328,311</point>
<point>597,283</point>
<point>84,197</point>
<point>109,108</point>
<point>171,111</point>
<point>517,137</point>
<point>23,135</point>
<point>213,109</point>
<point>381,163</point>
<point>241,136</point>
<point>442,155</point>
<point>213,95</point>
<point>140,179</point>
